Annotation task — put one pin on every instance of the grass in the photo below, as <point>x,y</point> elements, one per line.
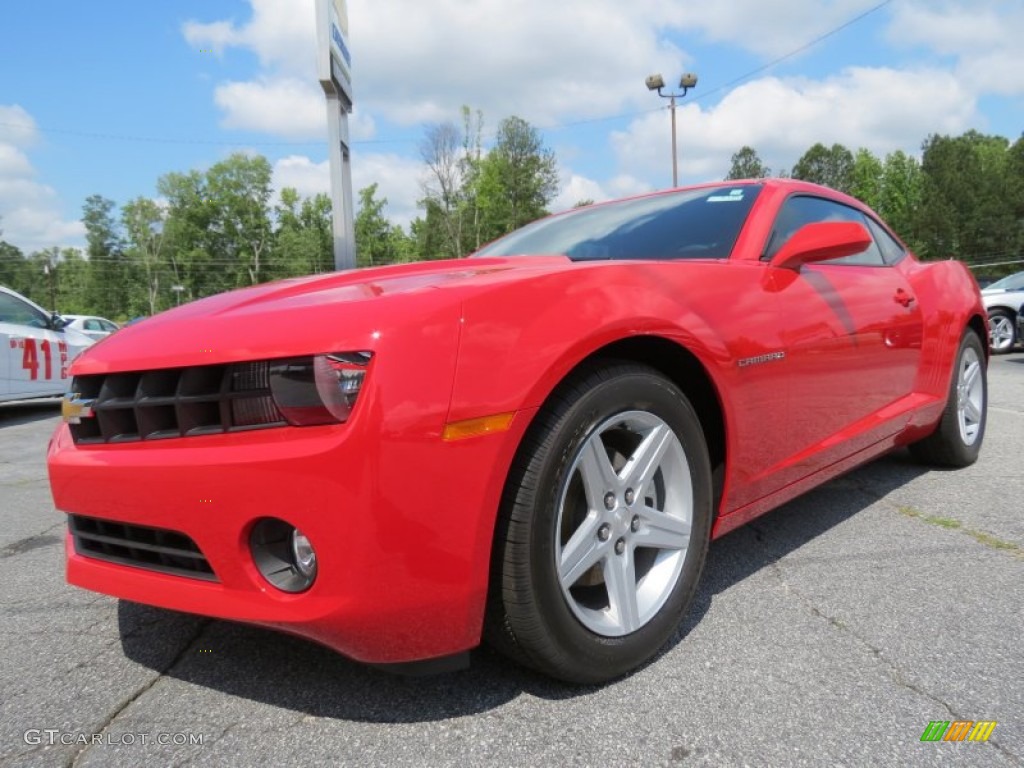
<point>985,539</point>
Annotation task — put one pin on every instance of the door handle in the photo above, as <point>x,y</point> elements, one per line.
<point>904,298</point>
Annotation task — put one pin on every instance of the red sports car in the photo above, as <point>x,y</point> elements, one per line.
<point>534,444</point>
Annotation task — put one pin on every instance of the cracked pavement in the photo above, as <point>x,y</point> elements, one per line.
<point>829,632</point>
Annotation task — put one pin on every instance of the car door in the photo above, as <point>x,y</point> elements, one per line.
<point>36,357</point>
<point>851,330</point>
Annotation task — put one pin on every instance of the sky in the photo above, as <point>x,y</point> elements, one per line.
<point>105,97</point>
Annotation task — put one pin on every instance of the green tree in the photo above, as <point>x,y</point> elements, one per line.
<point>830,166</point>
<point>378,241</point>
<point>967,208</point>
<point>108,287</point>
<point>444,192</point>
<point>900,196</point>
<point>143,222</point>
<point>187,229</point>
<point>519,178</point>
<point>746,164</point>
<point>15,270</point>
<point>72,279</point>
<point>303,240</point>
<point>866,177</point>
<point>239,193</point>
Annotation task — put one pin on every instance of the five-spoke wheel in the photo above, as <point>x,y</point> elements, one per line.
<point>604,526</point>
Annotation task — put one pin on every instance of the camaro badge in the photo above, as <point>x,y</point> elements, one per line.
<point>765,358</point>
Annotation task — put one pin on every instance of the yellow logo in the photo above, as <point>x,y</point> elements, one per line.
<point>74,408</point>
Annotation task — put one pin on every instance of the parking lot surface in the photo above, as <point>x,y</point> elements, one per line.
<point>829,632</point>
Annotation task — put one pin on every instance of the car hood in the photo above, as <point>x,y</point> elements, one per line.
<point>350,310</point>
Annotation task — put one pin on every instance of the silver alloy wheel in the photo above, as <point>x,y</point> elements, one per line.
<point>970,396</point>
<point>624,520</point>
<point>1001,332</point>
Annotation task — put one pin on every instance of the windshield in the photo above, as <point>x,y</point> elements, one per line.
<point>1014,282</point>
<point>692,224</point>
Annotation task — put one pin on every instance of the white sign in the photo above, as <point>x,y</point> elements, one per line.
<point>335,54</point>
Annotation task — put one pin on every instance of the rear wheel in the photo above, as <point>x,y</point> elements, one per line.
<point>1003,330</point>
<point>604,526</point>
<point>957,439</point>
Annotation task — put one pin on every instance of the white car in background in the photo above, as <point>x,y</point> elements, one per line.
<point>93,327</point>
<point>1003,300</point>
<point>36,349</point>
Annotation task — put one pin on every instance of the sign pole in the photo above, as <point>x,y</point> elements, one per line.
<point>335,67</point>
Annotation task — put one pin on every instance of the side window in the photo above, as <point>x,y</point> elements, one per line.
<point>892,251</point>
<point>93,325</point>
<point>804,209</point>
<point>14,310</point>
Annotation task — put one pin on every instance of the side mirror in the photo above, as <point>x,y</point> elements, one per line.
<point>57,323</point>
<point>822,242</point>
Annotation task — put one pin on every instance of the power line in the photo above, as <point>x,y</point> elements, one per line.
<point>791,54</point>
<point>365,142</point>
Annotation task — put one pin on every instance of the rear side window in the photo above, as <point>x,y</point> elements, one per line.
<point>892,251</point>
<point>804,209</point>
<point>13,310</point>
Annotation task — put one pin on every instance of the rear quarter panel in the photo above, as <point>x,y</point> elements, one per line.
<point>950,301</point>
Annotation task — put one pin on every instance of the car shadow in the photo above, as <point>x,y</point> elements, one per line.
<point>27,412</point>
<point>291,673</point>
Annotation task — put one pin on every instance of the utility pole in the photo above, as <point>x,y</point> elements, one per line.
<point>657,83</point>
<point>50,272</point>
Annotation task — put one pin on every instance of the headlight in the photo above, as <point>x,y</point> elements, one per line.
<point>318,390</point>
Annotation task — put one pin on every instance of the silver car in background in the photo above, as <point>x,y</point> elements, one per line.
<point>1003,300</point>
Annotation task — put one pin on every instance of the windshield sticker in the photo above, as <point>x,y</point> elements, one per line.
<point>735,195</point>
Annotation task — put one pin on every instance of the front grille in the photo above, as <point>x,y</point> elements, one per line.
<point>155,549</point>
<point>175,402</point>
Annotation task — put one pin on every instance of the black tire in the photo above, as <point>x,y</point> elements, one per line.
<point>1003,339</point>
<point>953,444</point>
<point>531,616</point>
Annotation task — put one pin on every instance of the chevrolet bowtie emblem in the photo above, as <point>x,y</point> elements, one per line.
<point>74,408</point>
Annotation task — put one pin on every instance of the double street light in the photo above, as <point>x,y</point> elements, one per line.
<point>657,83</point>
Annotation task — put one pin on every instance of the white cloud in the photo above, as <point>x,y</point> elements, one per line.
<point>286,107</point>
<point>595,55</point>
<point>984,36</point>
<point>17,127</point>
<point>398,179</point>
<point>881,109</point>
<point>303,175</point>
<point>13,162</point>
<point>770,29</point>
<point>281,32</point>
<point>551,63</point>
<point>30,216</point>
<point>575,189</point>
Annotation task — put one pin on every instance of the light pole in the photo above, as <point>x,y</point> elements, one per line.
<point>657,83</point>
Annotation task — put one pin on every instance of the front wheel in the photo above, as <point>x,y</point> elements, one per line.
<point>1002,331</point>
<point>604,526</point>
<point>957,439</point>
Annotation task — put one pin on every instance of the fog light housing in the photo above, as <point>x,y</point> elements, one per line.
<point>283,555</point>
<point>303,555</point>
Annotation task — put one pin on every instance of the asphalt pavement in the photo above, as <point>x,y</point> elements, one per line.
<point>827,633</point>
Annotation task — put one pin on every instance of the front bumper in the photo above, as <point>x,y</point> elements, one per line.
<point>402,528</point>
